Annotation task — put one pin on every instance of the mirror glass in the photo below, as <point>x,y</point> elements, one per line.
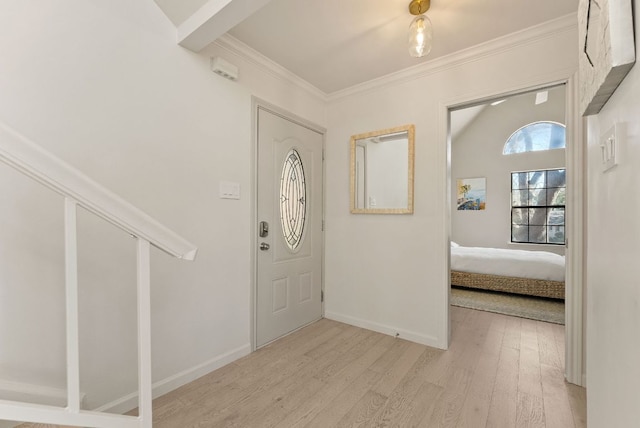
<point>382,171</point>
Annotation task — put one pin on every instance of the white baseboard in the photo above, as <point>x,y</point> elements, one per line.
<point>30,393</point>
<point>385,329</point>
<point>129,402</point>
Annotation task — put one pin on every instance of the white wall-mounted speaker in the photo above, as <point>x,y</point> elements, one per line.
<point>224,68</point>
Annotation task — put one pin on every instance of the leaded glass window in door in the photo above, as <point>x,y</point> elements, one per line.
<point>293,200</point>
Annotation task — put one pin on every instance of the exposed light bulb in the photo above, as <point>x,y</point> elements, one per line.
<point>420,35</point>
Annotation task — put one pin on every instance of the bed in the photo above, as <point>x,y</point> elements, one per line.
<point>534,273</point>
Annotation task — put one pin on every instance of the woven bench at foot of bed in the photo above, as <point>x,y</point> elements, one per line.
<point>508,284</point>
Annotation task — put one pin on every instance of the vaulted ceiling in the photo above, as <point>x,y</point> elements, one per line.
<point>336,44</point>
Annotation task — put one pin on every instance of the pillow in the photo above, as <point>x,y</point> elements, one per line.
<point>453,244</point>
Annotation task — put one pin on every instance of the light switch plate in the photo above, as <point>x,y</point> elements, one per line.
<point>609,144</point>
<point>229,190</point>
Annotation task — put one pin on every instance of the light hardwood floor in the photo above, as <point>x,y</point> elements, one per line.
<point>500,371</point>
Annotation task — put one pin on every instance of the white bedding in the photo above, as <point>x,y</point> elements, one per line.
<point>517,263</point>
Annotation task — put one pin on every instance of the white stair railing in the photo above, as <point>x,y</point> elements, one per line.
<point>79,190</point>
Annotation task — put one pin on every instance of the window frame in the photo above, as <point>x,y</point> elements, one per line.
<point>509,140</point>
<point>547,206</point>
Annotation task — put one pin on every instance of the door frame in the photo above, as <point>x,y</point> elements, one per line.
<point>576,213</point>
<point>256,104</point>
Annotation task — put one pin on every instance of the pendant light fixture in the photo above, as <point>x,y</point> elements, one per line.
<point>420,30</point>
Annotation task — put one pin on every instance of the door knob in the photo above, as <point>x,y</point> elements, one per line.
<point>264,246</point>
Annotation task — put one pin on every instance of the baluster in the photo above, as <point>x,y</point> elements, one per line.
<point>144,333</point>
<point>71,290</point>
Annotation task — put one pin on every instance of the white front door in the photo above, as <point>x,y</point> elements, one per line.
<point>289,239</point>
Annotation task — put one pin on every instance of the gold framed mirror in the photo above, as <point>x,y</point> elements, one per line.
<point>382,171</point>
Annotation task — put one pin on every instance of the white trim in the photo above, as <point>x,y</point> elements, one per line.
<point>464,56</point>
<point>444,153</point>
<point>213,19</point>
<point>30,393</point>
<point>79,190</point>
<point>253,318</point>
<point>39,413</point>
<point>440,64</point>
<point>189,32</point>
<point>143,260</point>
<point>492,47</point>
<point>35,162</point>
<point>130,401</point>
<point>72,307</point>
<point>387,329</point>
<point>291,117</point>
<point>574,305</point>
<point>576,238</point>
<point>270,67</point>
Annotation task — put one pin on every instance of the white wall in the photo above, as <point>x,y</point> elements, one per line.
<point>389,272</point>
<point>613,288</point>
<point>477,152</point>
<point>104,86</point>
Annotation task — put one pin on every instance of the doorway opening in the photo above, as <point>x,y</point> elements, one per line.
<point>507,208</point>
<point>288,234</point>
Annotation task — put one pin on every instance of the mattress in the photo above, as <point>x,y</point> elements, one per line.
<point>510,263</point>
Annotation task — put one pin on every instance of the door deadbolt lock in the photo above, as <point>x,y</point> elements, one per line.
<point>264,246</point>
<point>264,229</point>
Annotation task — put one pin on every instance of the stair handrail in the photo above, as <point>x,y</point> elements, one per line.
<point>78,189</point>
<point>32,160</point>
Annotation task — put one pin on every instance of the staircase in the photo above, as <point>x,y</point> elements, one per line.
<point>79,190</point>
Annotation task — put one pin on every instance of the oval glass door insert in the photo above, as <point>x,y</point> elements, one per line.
<point>293,200</point>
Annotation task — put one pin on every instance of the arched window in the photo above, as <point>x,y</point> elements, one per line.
<point>536,137</point>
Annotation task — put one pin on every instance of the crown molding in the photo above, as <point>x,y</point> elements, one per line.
<point>236,47</point>
<point>493,47</point>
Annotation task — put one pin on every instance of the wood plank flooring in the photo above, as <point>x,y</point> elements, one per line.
<point>500,371</point>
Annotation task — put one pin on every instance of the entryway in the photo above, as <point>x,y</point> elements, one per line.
<point>289,216</point>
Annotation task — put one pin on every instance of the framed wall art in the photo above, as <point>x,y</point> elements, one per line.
<point>472,194</point>
<point>607,51</point>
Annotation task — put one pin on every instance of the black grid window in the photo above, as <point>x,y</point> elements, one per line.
<point>537,206</point>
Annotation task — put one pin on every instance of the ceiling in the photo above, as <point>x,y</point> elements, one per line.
<point>462,118</point>
<point>336,44</point>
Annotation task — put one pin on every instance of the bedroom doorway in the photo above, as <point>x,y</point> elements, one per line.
<point>512,203</point>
